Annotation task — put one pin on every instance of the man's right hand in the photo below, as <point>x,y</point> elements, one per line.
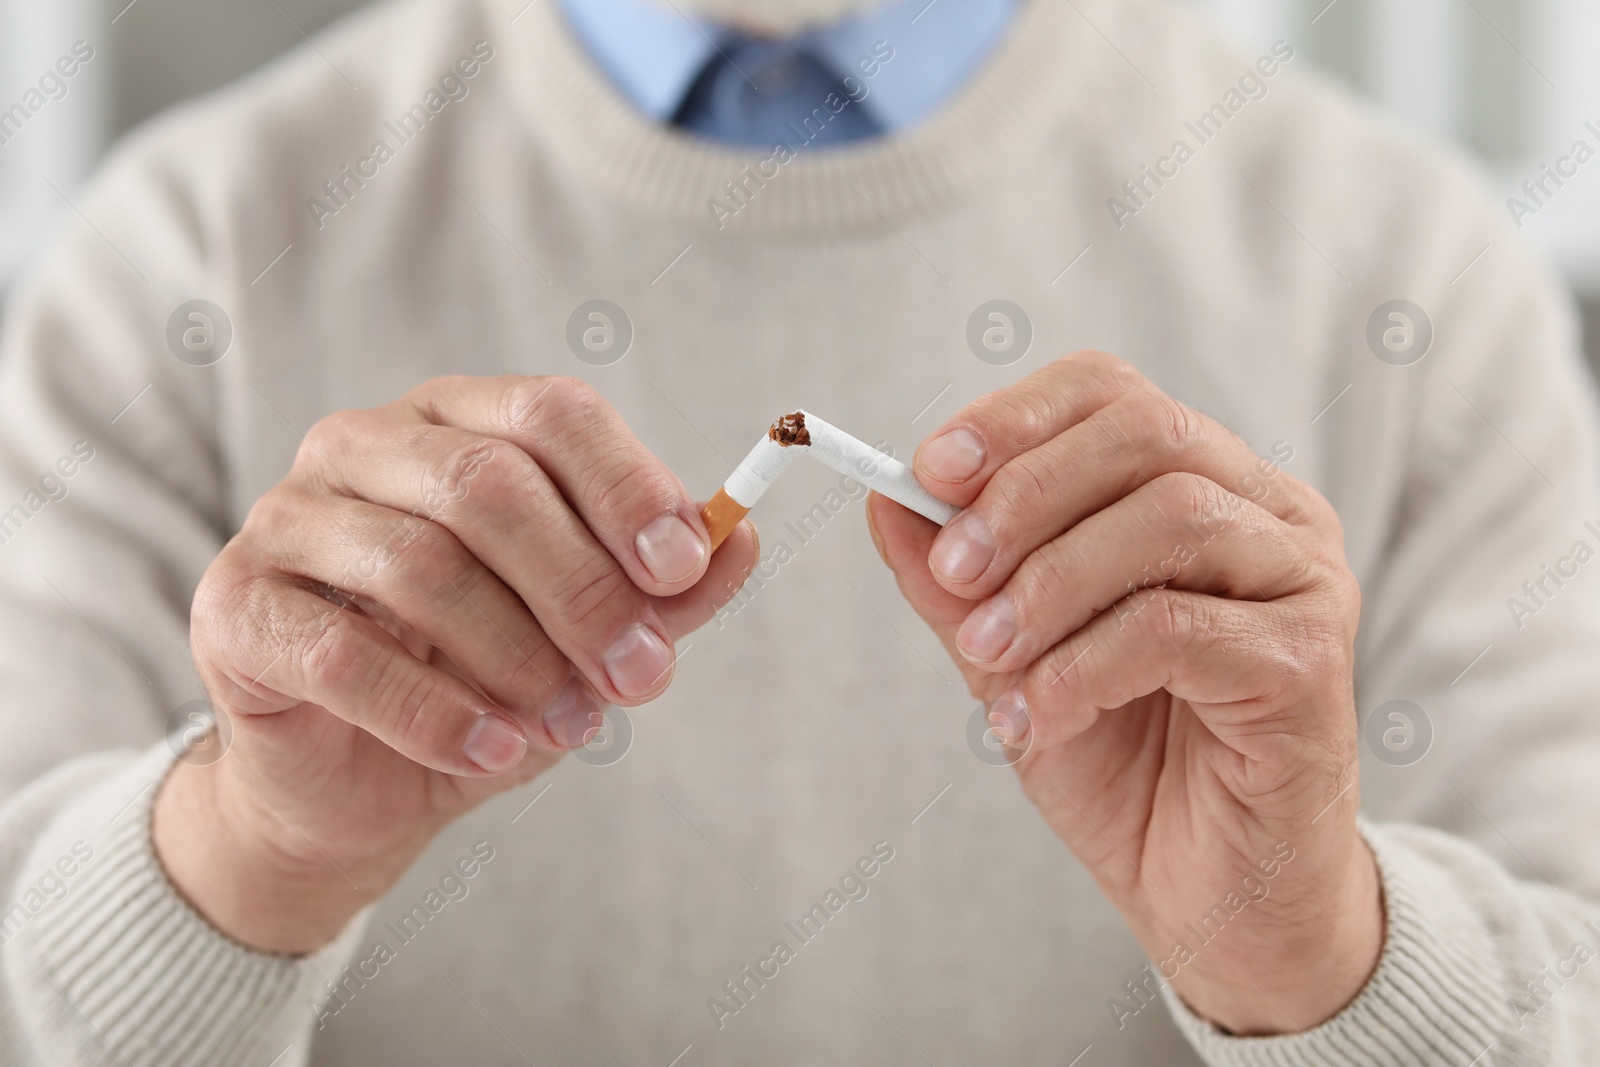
<point>436,603</point>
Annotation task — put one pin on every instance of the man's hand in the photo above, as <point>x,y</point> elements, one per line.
<point>437,602</point>
<point>1164,623</point>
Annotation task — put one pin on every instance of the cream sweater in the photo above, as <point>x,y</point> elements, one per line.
<point>816,730</point>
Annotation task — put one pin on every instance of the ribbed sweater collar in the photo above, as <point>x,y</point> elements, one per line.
<point>995,125</point>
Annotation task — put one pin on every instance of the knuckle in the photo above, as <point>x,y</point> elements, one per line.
<point>1169,425</point>
<point>275,510</point>
<point>586,590</point>
<point>1117,374</point>
<point>554,401</point>
<point>404,706</point>
<point>331,434</point>
<point>1304,654</point>
<point>501,468</point>
<point>427,557</point>
<point>1333,596</point>
<point>1066,671</point>
<point>420,395</point>
<point>1092,359</point>
<point>522,403</point>
<point>1025,484</point>
<point>268,529</point>
<point>1308,647</point>
<point>1172,620</point>
<point>1053,571</point>
<point>332,650</point>
<point>1314,509</point>
<point>627,483</point>
<point>224,598</point>
<point>1194,500</point>
<point>1014,416</point>
<point>1306,569</point>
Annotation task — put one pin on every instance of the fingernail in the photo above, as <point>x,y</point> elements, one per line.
<point>964,550</point>
<point>637,660</point>
<point>1008,717</point>
<point>575,713</point>
<point>495,744</point>
<point>952,457</point>
<point>989,630</point>
<point>669,549</point>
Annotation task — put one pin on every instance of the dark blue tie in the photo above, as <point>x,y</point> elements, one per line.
<point>759,93</point>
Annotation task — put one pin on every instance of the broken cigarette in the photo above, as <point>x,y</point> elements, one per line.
<point>803,432</point>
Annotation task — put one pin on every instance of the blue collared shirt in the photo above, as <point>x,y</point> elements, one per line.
<point>652,54</point>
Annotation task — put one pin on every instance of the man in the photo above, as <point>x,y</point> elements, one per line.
<point>306,367</point>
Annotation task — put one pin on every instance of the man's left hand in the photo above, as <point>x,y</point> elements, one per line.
<point>1162,625</point>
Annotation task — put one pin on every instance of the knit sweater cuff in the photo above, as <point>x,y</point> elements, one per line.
<point>122,969</point>
<point>1430,1001</point>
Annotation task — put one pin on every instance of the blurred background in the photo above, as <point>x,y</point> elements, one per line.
<point>1512,82</point>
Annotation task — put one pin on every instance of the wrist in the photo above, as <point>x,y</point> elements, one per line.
<point>236,871</point>
<point>1304,967</point>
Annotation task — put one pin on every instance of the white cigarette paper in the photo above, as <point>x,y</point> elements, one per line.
<point>836,449</point>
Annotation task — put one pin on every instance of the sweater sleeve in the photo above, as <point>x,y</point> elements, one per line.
<point>1482,612</point>
<point>106,963</point>
<point>1461,930</point>
<point>113,501</point>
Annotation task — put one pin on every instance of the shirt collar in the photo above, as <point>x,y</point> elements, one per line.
<point>652,54</point>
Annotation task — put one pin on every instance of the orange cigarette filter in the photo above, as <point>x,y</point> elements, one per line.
<point>721,515</point>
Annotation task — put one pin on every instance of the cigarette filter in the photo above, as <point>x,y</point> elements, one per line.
<point>802,433</point>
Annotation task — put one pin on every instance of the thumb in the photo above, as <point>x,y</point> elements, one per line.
<point>724,577</point>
